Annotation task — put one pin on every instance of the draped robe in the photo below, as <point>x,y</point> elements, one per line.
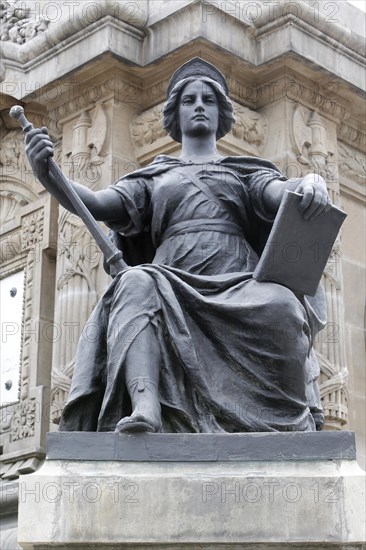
<point>236,354</point>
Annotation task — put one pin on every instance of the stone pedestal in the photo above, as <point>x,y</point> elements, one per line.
<point>248,491</point>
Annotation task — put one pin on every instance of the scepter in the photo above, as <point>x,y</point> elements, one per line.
<point>113,256</point>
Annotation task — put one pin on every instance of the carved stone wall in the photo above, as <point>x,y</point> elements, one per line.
<point>29,245</point>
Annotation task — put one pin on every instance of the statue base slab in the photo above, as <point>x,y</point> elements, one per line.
<point>258,491</point>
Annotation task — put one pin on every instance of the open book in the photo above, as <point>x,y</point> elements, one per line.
<point>297,250</point>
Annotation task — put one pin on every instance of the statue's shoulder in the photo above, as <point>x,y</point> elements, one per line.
<point>160,165</point>
<point>249,163</point>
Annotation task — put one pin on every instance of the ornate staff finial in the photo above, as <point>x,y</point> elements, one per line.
<point>17,112</point>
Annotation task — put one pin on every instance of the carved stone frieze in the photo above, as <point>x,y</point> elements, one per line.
<point>325,102</point>
<point>19,22</point>
<point>243,92</point>
<point>352,136</point>
<point>352,163</point>
<point>23,419</point>
<point>32,228</point>
<point>154,94</point>
<point>321,101</point>
<point>147,129</point>
<point>82,98</point>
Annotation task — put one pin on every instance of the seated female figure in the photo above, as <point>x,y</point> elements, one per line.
<point>188,341</point>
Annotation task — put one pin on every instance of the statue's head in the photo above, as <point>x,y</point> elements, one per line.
<point>197,69</point>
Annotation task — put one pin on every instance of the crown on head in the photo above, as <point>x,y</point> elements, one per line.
<point>197,67</point>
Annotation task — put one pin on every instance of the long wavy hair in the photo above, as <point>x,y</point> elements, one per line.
<point>170,110</point>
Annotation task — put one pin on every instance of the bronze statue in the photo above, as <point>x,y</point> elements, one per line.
<point>187,340</point>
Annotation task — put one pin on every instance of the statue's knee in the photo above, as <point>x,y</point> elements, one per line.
<point>136,280</point>
<point>287,315</point>
<point>280,305</point>
<point>286,300</point>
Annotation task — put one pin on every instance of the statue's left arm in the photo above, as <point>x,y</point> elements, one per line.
<point>315,198</point>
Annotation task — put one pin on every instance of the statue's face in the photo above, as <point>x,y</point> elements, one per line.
<point>198,110</point>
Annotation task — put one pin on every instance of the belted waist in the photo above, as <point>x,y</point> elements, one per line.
<point>201,224</point>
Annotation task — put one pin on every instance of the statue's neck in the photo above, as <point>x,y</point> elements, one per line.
<point>200,148</point>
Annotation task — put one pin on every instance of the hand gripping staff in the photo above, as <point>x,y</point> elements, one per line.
<point>113,256</point>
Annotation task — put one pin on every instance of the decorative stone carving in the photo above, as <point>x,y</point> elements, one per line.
<point>80,155</point>
<point>12,154</point>
<point>12,150</point>
<point>250,126</point>
<point>147,127</point>
<point>14,469</point>
<point>29,245</point>
<point>315,98</point>
<point>23,419</point>
<point>61,381</point>
<point>18,21</point>
<point>39,120</point>
<point>32,229</point>
<point>10,202</point>
<point>27,325</point>
<point>6,417</point>
<point>154,94</point>
<point>332,268</point>
<point>321,101</point>
<point>352,136</point>
<point>122,92</point>
<point>57,152</point>
<point>78,259</point>
<point>10,246</point>
<point>333,392</point>
<point>98,133</point>
<point>89,144</point>
<point>352,163</point>
<point>309,136</point>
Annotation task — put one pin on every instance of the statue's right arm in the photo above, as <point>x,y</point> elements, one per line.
<point>103,205</point>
